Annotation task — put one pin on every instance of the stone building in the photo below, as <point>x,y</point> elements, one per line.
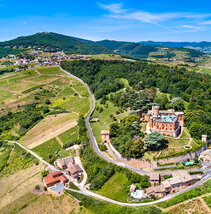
<point>181,179</point>
<point>166,122</point>
<point>105,136</point>
<point>155,179</point>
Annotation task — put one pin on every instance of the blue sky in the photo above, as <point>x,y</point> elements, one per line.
<point>128,20</point>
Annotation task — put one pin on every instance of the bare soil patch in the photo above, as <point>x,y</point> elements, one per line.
<point>48,128</point>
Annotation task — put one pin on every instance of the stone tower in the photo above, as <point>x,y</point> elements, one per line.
<point>155,110</point>
<point>105,136</point>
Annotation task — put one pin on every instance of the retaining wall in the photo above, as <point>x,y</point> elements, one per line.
<point>142,163</point>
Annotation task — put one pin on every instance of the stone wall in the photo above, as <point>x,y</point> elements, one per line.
<point>142,163</point>
<point>182,158</point>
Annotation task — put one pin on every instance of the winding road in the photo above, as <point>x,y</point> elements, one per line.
<point>82,190</point>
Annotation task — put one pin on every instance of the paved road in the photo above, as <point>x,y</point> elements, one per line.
<point>95,146</point>
<point>92,137</point>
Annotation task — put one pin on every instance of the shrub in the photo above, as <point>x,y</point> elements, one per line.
<point>37,187</point>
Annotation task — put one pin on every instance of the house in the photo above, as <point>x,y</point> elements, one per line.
<point>155,179</point>
<point>132,188</point>
<point>54,178</point>
<point>181,179</point>
<point>206,156</point>
<point>166,122</point>
<point>157,191</point>
<point>63,162</point>
<point>74,169</point>
<point>69,165</point>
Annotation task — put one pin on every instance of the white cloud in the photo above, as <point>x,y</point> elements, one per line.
<point>113,8</point>
<point>117,11</point>
<point>206,22</point>
<point>191,27</point>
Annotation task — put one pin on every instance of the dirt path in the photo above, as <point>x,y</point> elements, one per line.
<point>11,91</point>
<point>59,140</point>
<point>78,161</point>
<point>77,92</point>
<point>37,72</point>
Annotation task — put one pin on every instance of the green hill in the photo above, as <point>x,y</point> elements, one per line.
<point>131,49</point>
<point>137,50</point>
<point>54,42</point>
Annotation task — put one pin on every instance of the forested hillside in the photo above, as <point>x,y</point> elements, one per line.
<point>54,41</point>
<point>191,88</point>
<point>138,50</point>
<point>202,46</point>
<point>128,48</point>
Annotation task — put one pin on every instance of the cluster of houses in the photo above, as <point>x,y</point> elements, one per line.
<point>53,59</point>
<point>180,180</point>
<point>57,181</point>
<point>68,164</point>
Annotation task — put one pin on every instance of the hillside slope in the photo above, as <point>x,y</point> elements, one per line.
<point>137,50</point>
<point>131,49</point>
<point>54,41</point>
<point>201,46</point>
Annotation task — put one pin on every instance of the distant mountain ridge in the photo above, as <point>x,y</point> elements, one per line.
<point>72,45</point>
<point>202,46</point>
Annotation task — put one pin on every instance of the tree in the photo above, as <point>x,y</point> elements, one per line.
<point>114,127</point>
<point>155,141</point>
<point>47,102</point>
<point>178,103</point>
<point>44,173</point>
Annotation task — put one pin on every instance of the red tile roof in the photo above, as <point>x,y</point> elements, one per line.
<point>54,178</point>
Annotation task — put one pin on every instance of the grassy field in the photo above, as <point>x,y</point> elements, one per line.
<point>16,185</point>
<point>207,199</point>
<point>32,203</point>
<point>69,135</point>
<point>50,70</point>
<point>104,118</point>
<point>47,148</point>
<point>116,188</point>
<point>49,127</point>
<point>194,206</point>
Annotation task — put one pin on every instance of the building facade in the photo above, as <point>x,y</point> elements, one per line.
<point>105,136</point>
<point>166,122</point>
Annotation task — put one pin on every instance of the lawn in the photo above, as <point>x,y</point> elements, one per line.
<point>47,148</point>
<point>116,188</point>
<point>104,118</point>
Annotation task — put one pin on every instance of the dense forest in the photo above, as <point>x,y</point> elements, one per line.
<point>140,51</point>
<point>189,91</point>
